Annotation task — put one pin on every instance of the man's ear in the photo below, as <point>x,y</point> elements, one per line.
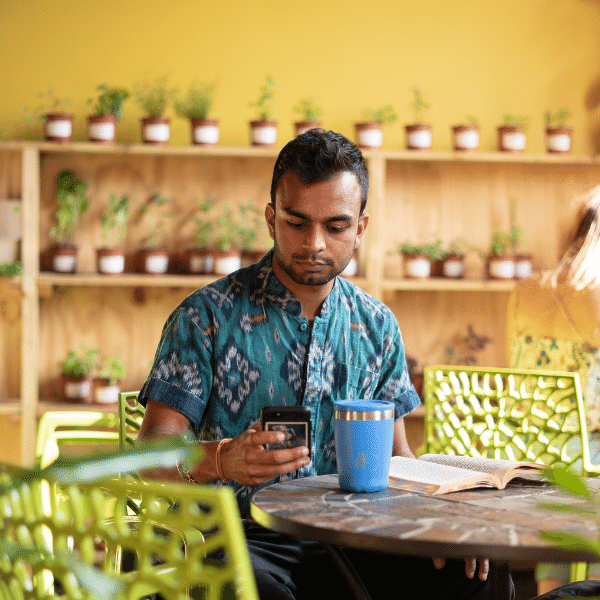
<point>363,221</point>
<point>270,219</point>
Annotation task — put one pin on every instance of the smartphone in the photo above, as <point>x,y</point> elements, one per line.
<point>293,421</point>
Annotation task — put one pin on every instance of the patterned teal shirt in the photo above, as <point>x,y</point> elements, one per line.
<point>239,344</point>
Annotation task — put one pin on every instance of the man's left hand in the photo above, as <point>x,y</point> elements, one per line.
<point>470,566</point>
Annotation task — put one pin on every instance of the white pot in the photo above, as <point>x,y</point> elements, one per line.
<point>205,131</point>
<point>418,267</point>
<point>227,263</point>
<point>263,133</point>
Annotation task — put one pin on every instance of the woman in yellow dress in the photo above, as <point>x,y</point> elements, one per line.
<point>554,324</point>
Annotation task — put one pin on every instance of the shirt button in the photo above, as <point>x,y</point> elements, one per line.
<point>304,326</point>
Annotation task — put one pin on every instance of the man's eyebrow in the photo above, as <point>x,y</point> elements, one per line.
<point>300,215</point>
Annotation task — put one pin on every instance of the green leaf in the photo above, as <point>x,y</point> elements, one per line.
<point>575,509</point>
<point>571,541</point>
<point>567,480</point>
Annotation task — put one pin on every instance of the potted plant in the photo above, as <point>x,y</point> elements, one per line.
<point>228,256</point>
<point>465,137</point>
<point>418,258</point>
<point>511,134</point>
<point>72,201</point>
<point>58,122</point>
<point>196,106</point>
<point>369,133</point>
<point>111,257</point>
<point>200,259</point>
<point>106,384</point>
<point>154,97</point>
<point>252,221</point>
<point>523,260</point>
<point>153,257</point>
<point>263,131</point>
<point>500,261</point>
<point>559,137</point>
<point>418,134</point>
<point>453,265</point>
<point>309,112</point>
<point>76,370</point>
<point>107,111</point>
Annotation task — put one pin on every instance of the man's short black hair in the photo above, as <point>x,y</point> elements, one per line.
<point>320,155</point>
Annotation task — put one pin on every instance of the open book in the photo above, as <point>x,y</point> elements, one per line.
<point>440,473</point>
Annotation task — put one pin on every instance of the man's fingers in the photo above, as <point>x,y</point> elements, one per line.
<point>484,569</point>
<point>470,566</point>
<point>439,563</point>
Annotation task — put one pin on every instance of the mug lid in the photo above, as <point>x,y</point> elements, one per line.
<point>360,410</point>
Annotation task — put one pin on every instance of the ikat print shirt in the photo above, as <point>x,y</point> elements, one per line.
<point>240,344</point>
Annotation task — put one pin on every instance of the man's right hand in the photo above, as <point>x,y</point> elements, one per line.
<point>244,459</point>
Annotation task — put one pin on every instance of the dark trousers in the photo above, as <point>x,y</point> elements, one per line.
<point>577,589</point>
<point>287,568</point>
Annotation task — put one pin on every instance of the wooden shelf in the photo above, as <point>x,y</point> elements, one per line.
<point>46,280</point>
<point>437,284</point>
<point>46,405</point>
<point>10,407</point>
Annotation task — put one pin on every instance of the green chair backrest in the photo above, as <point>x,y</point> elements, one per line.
<point>131,413</point>
<point>514,414</point>
<point>84,431</point>
<point>216,565</point>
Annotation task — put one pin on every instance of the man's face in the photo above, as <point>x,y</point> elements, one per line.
<point>315,228</point>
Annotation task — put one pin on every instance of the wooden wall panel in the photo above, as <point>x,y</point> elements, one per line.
<point>10,340</point>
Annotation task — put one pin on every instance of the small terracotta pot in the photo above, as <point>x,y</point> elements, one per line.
<point>501,266</point>
<point>263,133</point>
<point>205,132</point>
<point>417,266</point>
<point>59,127</point>
<point>453,266</point>
<point>64,259</point>
<point>523,266</point>
<point>304,126</point>
<point>199,262</point>
<point>110,261</point>
<point>76,389</point>
<point>369,135</point>
<point>153,262</point>
<point>105,392</point>
<point>511,139</point>
<point>418,136</point>
<point>156,130</point>
<point>465,138</point>
<point>102,129</point>
<point>559,139</point>
<point>227,262</point>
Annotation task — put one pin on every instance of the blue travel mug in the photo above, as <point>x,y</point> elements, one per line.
<point>364,435</point>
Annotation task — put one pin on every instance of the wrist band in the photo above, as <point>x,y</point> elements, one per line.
<point>183,471</point>
<point>220,473</point>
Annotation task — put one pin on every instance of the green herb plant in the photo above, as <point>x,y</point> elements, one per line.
<point>309,109</point>
<point>515,121</point>
<point>197,102</point>
<point>112,367</point>
<point>79,364</point>
<point>419,105</point>
<point>250,216</point>
<point>265,104</point>
<point>11,269</point>
<point>156,216</point>
<point>49,104</point>
<point>109,101</point>
<point>203,226</point>
<point>557,119</point>
<point>114,220</point>
<point>458,247</point>
<point>386,115</point>
<point>433,250</point>
<point>72,200</point>
<point>154,95</point>
<point>229,230</point>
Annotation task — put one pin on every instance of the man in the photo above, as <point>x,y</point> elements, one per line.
<point>288,331</point>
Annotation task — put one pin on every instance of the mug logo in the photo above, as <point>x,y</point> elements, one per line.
<point>361,461</point>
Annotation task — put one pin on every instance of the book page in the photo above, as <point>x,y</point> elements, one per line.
<point>483,465</point>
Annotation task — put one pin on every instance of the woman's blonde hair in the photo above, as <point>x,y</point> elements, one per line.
<point>580,264</point>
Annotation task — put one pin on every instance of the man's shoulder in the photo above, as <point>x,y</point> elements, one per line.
<point>366,305</point>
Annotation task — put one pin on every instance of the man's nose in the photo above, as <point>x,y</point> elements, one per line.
<point>314,241</point>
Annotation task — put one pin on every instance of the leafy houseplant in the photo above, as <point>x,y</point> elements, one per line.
<point>72,201</point>
<point>511,134</point>
<point>111,257</point>
<point>369,132</point>
<point>107,111</point>
<point>196,106</point>
<point>465,137</point>
<point>418,258</point>
<point>453,259</point>
<point>199,259</point>
<point>76,370</point>
<point>309,112</point>
<point>54,113</point>
<point>251,218</point>
<point>263,130</point>
<point>559,137</point>
<point>418,134</point>
<point>153,257</point>
<point>228,258</point>
<point>154,97</point>
<point>111,370</point>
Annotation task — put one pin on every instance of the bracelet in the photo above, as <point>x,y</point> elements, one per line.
<point>218,459</point>
<point>183,471</point>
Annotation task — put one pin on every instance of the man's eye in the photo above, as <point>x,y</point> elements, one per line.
<point>337,229</point>
<point>295,225</point>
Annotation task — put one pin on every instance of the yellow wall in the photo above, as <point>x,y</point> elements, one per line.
<point>477,57</point>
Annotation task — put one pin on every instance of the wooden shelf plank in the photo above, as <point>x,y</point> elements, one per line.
<point>124,280</point>
<point>436,284</point>
<point>46,405</point>
<point>10,407</point>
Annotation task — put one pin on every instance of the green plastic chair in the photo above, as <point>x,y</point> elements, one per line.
<point>53,545</point>
<point>131,414</point>
<point>85,430</point>
<point>513,414</point>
